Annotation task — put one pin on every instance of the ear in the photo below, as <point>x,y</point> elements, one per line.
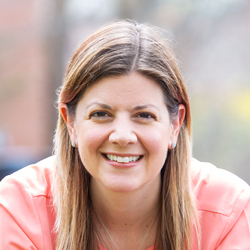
<point>176,125</point>
<point>69,121</point>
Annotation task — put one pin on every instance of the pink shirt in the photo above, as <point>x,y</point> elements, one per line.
<point>27,217</point>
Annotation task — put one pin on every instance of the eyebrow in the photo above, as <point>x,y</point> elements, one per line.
<point>139,107</point>
<point>103,105</point>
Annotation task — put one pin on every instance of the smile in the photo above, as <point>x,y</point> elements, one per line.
<point>120,159</point>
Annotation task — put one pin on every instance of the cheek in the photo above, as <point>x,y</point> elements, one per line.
<point>156,144</point>
<point>90,139</point>
<point>157,141</point>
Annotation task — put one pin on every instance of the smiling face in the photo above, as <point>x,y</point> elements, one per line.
<point>123,130</point>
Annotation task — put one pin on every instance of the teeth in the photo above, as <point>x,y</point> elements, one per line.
<point>122,159</point>
<point>134,158</point>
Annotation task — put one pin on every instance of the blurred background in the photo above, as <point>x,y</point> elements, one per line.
<point>212,41</point>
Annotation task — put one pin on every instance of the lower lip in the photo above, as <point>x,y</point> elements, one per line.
<point>123,164</point>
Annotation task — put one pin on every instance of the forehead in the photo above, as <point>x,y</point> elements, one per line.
<point>131,88</point>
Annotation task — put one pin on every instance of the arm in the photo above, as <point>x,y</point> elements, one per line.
<point>19,223</point>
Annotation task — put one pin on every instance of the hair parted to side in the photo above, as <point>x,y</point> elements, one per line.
<point>121,48</point>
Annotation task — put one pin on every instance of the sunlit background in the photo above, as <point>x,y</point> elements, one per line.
<point>212,41</point>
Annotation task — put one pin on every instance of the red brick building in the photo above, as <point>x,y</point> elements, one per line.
<point>25,126</point>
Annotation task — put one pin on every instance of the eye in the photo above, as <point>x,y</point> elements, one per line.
<point>146,115</point>
<point>99,114</point>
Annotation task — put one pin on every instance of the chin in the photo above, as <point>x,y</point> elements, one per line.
<point>122,187</point>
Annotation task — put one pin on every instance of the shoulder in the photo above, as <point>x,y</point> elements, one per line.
<point>34,179</point>
<point>26,207</point>
<point>217,190</point>
<point>223,202</point>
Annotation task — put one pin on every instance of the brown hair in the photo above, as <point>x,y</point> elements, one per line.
<point>121,48</point>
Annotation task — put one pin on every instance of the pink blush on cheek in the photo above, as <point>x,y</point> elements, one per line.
<point>158,144</point>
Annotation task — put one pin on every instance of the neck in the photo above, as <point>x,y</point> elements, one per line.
<point>125,208</point>
<point>130,219</point>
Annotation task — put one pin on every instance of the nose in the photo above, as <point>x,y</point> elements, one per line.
<point>122,133</point>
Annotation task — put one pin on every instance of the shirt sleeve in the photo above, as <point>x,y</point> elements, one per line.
<point>20,228</point>
<point>238,238</point>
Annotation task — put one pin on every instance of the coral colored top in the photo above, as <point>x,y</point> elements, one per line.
<point>27,217</point>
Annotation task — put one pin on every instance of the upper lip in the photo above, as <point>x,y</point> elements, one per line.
<point>122,155</point>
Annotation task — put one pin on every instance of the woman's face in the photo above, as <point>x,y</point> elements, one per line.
<point>122,129</point>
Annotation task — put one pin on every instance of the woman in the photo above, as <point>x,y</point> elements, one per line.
<point>122,176</point>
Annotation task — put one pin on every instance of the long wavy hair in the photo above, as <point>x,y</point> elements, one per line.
<point>121,48</point>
